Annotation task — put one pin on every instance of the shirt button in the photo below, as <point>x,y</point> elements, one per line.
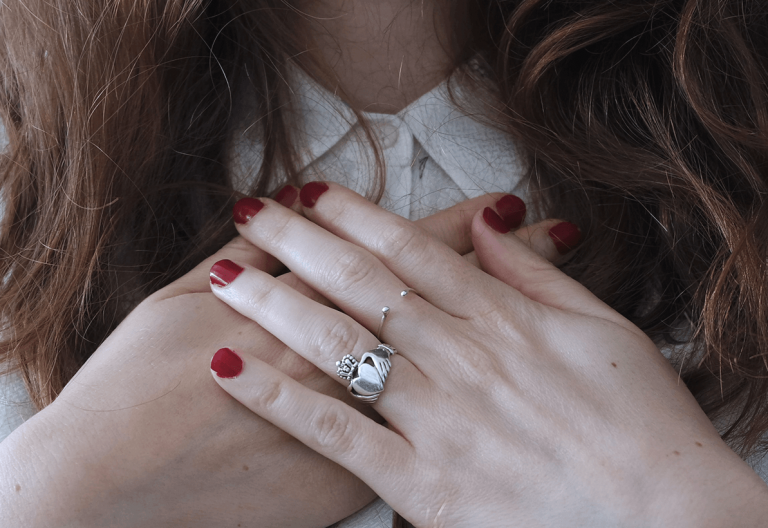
<point>388,134</point>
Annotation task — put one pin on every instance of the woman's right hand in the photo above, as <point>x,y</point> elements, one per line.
<point>143,436</point>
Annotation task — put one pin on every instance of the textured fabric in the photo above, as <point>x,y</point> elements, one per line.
<point>435,153</point>
<point>15,405</point>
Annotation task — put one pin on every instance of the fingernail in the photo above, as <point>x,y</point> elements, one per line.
<point>494,220</point>
<point>287,195</point>
<point>246,209</point>
<point>566,236</point>
<point>512,210</point>
<point>226,364</point>
<point>311,192</point>
<point>224,272</point>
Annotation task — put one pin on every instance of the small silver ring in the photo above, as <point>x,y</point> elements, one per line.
<point>385,311</point>
<point>367,376</point>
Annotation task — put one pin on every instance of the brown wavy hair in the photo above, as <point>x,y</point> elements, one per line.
<point>645,122</point>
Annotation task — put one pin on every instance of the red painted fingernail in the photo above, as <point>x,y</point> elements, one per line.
<point>246,209</point>
<point>287,195</point>
<point>512,210</point>
<point>311,192</point>
<point>224,272</point>
<point>494,220</point>
<point>566,236</point>
<point>226,364</point>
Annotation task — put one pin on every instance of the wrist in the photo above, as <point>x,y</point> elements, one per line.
<point>47,478</point>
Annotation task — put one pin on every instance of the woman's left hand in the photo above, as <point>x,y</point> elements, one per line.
<point>516,398</point>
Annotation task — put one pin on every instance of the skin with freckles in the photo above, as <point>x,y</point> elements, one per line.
<point>513,399</point>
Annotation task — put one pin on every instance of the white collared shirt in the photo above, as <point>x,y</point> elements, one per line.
<point>435,154</point>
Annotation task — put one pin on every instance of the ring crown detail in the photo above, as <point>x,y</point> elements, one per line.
<point>346,367</point>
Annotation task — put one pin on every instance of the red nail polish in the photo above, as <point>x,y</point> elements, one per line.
<point>311,192</point>
<point>287,195</point>
<point>494,220</point>
<point>226,364</point>
<point>246,209</point>
<point>566,236</point>
<point>512,210</point>
<point>224,272</point>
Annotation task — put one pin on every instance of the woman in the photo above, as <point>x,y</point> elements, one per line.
<point>642,123</point>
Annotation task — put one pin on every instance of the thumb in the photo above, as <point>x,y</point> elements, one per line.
<point>524,264</point>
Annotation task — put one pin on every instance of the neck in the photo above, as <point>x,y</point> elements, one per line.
<point>383,54</point>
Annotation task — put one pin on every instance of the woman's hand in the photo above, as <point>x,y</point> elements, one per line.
<point>515,398</point>
<point>143,437</point>
<point>140,438</point>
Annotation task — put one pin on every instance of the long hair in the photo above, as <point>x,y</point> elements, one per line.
<point>118,115</point>
<point>647,123</point>
<point>643,121</point>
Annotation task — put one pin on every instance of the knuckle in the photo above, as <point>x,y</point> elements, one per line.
<point>333,429</point>
<point>338,339</point>
<point>265,396</point>
<point>352,268</point>
<point>259,297</point>
<point>401,240</point>
<point>279,231</point>
<point>476,366</point>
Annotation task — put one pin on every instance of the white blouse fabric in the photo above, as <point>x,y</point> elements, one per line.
<point>435,155</point>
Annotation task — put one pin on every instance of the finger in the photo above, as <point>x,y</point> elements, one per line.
<point>471,258</point>
<point>379,457</point>
<point>348,275</point>
<point>288,196</point>
<point>291,280</point>
<point>318,333</point>
<point>536,237</point>
<point>514,262</point>
<point>453,226</point>
<point>237,249</point>
<point>420,260</point>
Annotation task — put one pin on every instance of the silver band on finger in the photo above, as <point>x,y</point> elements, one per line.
<point>367,376</point>
<point>385,311</point>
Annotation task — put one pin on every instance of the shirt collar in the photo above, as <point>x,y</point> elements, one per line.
<point>478,157</point>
